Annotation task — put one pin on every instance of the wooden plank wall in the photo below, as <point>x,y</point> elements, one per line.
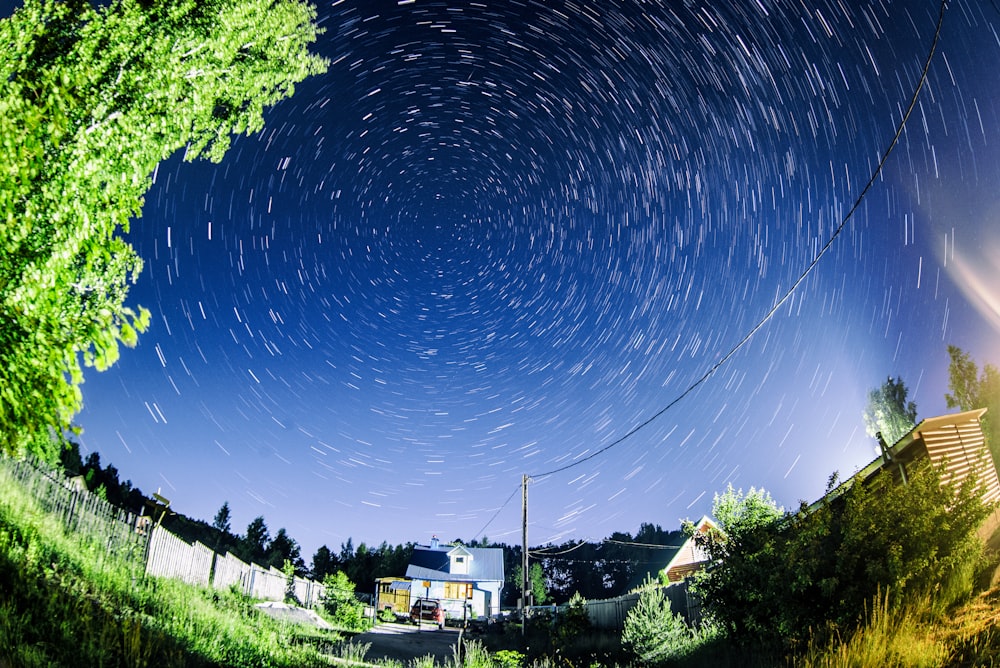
<point>960,447</point>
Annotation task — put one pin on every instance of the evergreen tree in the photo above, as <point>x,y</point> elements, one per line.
<point>323,563</point>
<point>253,545</point>
<point>222,518</point>
<point>284,548</point>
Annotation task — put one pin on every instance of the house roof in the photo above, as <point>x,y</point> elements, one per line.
<point>950,436</point>
<point>434,563</point>
<point>689,558</point>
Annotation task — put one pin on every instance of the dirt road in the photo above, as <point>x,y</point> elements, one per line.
<point>404,642</point>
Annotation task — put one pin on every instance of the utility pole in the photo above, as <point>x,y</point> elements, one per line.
<point>524,552</point>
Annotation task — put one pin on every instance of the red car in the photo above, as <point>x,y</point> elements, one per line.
<point>427,610</point>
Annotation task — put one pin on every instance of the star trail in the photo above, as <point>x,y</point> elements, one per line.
<point>497,236</point>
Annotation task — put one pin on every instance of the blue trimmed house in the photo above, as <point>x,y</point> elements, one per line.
<point>458,576</point>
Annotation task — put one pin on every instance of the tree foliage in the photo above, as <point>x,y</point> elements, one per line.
<point>339,602</point>
<point>221,523</point>
<point>283,548</point>
<point>91,100</point>
<point>970,390</point>
<point>252,546</point>
<point>815,571</point>
<point>323,563</point>
<point>888,412</point>
<point>536,582</point>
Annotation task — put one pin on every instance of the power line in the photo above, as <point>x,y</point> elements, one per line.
<point>808,270</point>
<point>540,553</point>
<point>502,506</point>
<point>648,546</point>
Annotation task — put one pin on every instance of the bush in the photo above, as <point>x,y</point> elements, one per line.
<point>813,573</point>
<point>572,623</point>
<point>339,602</point>
<point>652,632</point>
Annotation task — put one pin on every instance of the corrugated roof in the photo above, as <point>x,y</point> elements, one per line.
<point>957,437</point>
<point>958,445</point>
<point>429,563</point>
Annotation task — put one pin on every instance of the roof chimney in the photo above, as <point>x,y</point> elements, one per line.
<point>884,447</point>
<point>434,542</point>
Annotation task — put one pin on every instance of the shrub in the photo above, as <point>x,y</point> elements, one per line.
<point>813,573</point>
<point>508,658</point>
<point>572,623</point>
<point>289,571</point>
<point>339,602</point>
<point>652,632</point>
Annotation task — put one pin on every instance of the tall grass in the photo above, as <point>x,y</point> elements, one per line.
<point>943,627</point>
<point>891,636</point>
<point>64,601</point>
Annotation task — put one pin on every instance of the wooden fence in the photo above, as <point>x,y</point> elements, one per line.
<point>611,613</point>
<point>101,528</point>
<point>108,532</point>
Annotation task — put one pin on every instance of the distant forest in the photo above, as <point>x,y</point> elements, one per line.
<point>595,570</point>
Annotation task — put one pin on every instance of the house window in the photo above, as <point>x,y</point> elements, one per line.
<point>459,564</point>
<point>458,590</point>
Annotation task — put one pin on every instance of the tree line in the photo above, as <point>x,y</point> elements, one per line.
<point>782,583</point>
<point>594,570</point>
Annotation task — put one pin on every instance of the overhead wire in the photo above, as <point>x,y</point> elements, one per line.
<point>808,270</point>
<point>502,506</point>
<point>901,126</point>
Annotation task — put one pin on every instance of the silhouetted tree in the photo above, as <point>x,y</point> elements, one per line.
<point>323,563</point>
<point>222,518</point>
<point>888,411</point>
<point>252,546</point>
<point>284,548</point>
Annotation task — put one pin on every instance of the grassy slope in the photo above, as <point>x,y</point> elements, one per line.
<point>58,609</point>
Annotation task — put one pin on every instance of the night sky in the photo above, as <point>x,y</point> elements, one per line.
<point>497,236</point>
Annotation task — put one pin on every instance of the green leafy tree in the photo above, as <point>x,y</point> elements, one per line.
<point>339,602</point>
<point>536,578</point>
<point>288,569</point>
<point>743,556</point>
<point>970,390</point>
<point>92,98</point>
<point>888,412</point>
<point>536,583</point>
<point>573,623</point>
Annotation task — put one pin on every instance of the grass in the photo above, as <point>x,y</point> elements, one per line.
<point>65,602</point>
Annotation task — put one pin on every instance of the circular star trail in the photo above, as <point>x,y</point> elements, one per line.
<point>496,236</point>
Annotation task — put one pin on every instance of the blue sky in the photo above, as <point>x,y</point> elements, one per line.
<point>496,237</point>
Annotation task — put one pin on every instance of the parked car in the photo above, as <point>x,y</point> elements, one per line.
<point>427,610</point>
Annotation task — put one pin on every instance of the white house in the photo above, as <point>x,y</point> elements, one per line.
<point>458,576</point>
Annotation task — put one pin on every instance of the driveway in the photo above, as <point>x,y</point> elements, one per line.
<point>405,642</point>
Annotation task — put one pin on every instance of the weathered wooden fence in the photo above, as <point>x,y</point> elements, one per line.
<point>611,613</point>
<point>103,529</point>
<point>173,557</point>
<point>112,532</point>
